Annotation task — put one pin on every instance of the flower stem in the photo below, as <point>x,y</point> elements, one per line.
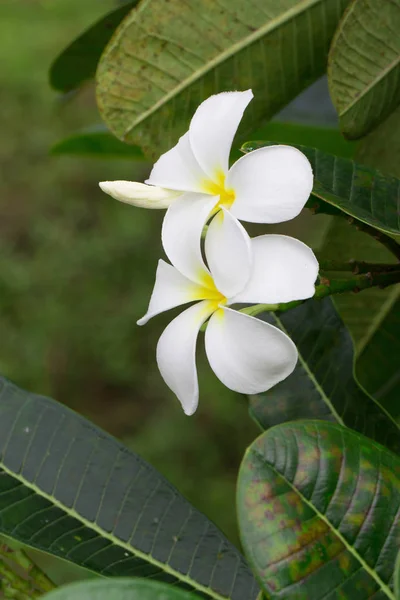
<point>329,287</point>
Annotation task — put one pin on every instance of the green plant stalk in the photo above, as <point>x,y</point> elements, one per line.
<point>14,585</point>
<point>357,266</point>
<point>36,582</point>
<point>37,576</point>
<point>354,284</point>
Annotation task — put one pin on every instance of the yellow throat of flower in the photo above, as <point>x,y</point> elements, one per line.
<point>217,188</point>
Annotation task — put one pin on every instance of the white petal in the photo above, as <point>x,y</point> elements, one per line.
<point>178,169</point>
<point>248,355</point>
<point>139,194</point>
<point>171,289</point>
<point>228,253</point>
<point>176,354</point>
<point>181,234</point>
<point>284,269</point>
<point>271,184</point>
<point>213,128</point>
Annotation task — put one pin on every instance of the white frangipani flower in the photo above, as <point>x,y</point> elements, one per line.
<point>193,179</point>
<point>248,355</point>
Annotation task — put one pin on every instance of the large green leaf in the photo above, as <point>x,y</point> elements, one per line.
<point>70,489</point>
<point>322,385</point>
<point>118,588</point>
<point>351,187</point>
<point>380,149</point>
<point>364,65</point>
<point>98,142</point>
<point>319,513</point>
<point>78,62</point>
<point>168,56</point>
<point>378,362</point>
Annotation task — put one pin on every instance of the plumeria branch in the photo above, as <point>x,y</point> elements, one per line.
<point>356,266</point>
<point>330,287</point>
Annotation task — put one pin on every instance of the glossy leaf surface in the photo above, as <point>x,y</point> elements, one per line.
<point>322,385</point>
<point>318,509</point>
<point>364,65</point>
<point>70,489</point>
<point>168,56</point>
<point>351,187</point>
<point>78,62</point>
<point>96,142</point>
<point>118,588</point>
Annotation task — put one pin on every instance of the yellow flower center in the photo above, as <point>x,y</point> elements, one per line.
<point>217,188</point>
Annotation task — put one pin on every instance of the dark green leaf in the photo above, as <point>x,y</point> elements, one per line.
<point>318,509</point>
<point>170,55</point>
<point>378,362</point>
<point>381,148</point>
<point>78,62</point>
<point>119,589</point>
<point>97,142</point>
<point>350,187</point>
<point>364,65</point>
<point>70,489</point>
<point>371,316</point>
<point>322,386</point>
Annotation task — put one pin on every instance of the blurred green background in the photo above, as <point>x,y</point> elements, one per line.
<point>77,269</point>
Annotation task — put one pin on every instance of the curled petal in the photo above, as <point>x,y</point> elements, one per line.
<point>178,169</point>
<point>181,234</point>
<point>176,354</point>
<point>213,128</point>
<point>284,269</point>
<point>139,194</point>
<point>171,289</point>
<point>248,355</point>
<point>228,253</point>
<point>271,184</point>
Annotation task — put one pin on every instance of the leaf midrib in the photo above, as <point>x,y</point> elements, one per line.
<point>385,588</point>
<point>310,374</point>
<point>300,7</point>
<point>94,527</point>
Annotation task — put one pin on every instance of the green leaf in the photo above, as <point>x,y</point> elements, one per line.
<point>98,142</point>
<point>327,139</point>
<point>322,385</point>
<point>381,148</point>
<point>350,187</point>
<point>378,361</point>
<point>70,489</point>
<point>318,509</point>
<point>371,316</point>
<point>364,65</point>
<point>119,589</point>
<point>78,62</point>
<point>168,56</point>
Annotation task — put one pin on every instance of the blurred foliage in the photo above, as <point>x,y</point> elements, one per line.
<point>76,271</point>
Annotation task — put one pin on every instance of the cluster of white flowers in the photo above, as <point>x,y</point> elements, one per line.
<point>194,182</point>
